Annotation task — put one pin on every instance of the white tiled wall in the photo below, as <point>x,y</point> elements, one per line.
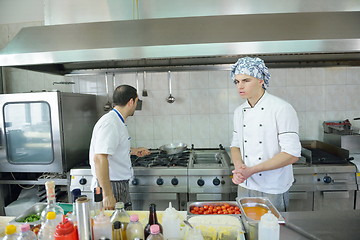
<point>205,100</point>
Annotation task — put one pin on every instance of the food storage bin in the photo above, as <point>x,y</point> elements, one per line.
<point>251,225</point>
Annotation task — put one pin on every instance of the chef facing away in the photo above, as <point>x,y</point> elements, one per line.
<point>265,140</point>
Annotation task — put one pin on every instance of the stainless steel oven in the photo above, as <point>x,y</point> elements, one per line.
<point>45,131</point>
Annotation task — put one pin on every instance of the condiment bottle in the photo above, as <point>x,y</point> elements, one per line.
<point>47,229</point>
<point>155,233</point>
<point>122,216</point>
<point>65,230</point>
<point>269,228</point>
<point>152,220</point>
<point>134,230</point>
<point>117,234</point>
<point>51,203</point>
<point>10,232</point>
<point>26,233</point>
<point>171,223</point>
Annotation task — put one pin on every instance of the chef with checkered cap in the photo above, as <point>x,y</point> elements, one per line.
<point>265,140</point>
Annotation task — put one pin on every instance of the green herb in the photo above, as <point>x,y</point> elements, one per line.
<point>31,218</point>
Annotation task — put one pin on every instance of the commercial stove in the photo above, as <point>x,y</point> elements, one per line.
<point>193,175</point>
<point>160,178</point>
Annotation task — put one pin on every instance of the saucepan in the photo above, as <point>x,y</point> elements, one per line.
<point>173,148</point>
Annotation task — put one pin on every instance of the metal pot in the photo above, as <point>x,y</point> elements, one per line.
<point>173,148</point>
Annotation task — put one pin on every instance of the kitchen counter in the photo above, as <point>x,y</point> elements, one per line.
<point>326,225</point>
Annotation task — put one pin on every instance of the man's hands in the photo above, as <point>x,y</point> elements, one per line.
<point>241,174</point>
<point>140,152</point>
<point>109,202</point>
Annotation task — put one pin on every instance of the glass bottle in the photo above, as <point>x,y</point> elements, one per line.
<point>47,229</point>
<point>122,216</point>
<point>155,233</point>
<point>51,203</point>
<point>152,220</point>
<point>134,230</point>
<point>10,232</point>
<point>26,233</point>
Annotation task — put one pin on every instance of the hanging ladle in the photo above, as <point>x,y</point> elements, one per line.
<point>107,105</point>
<point>170,99</point>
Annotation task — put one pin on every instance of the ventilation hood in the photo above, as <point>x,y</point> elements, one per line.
<point>282,40</point>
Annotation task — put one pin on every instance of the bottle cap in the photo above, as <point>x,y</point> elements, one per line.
<point>10,229</point>
<point>25,227</point>
<point>134,218</point>
<point>51,215</point>
<point>117,225</point>
<point>119,205</point>
<point>154,229</point>
<point>98,194</point>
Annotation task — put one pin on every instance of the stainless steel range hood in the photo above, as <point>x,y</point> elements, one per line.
<point>291,39</point>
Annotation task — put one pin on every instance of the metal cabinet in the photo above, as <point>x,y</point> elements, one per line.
<point>301,201</point>
<point>334,200</point>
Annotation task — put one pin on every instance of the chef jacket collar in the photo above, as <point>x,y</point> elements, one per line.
<point>259,102</point>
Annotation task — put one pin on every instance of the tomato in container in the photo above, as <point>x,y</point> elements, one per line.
<point>207,208</point>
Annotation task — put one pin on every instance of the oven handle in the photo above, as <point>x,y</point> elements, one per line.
<point>153,196</point>
<point>336,194</point>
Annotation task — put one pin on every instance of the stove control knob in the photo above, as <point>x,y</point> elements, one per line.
<point>216,181</point>
<point>174,181</point>
<point>327,179</point>
<point>135,181</point>
<point>201,182</point>
<point>160,181</point>
<point>82,181</point>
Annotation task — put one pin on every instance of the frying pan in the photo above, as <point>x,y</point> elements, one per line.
<point>173,148</point>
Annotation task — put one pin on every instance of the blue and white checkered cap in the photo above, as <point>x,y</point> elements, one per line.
<point>254,67</point>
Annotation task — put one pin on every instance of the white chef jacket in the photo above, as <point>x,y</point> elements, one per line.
<point>261,132</point>
<point>110,136</point>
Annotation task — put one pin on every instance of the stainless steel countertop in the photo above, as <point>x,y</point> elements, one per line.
<point>326,225</point>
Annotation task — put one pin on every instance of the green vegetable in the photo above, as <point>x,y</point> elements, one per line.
<point>31,218</point>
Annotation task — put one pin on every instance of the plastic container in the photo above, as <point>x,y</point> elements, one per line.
<point>26,233</point>
<point>10,232</point>
<point>120,215</point>
<point>65,230</point>
<point>171,223</point>
<point>155,233</point>
<point>47,230</point>
<point>134,230</point>
<point>116,232</point>
<point>269,228</point>
<point>102,226</point>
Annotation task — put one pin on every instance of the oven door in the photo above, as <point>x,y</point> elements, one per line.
<point>141,201</point>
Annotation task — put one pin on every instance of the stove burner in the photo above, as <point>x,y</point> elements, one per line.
<point>159,159</point>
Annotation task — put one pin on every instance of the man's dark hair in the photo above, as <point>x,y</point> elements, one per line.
<point>123,94</point>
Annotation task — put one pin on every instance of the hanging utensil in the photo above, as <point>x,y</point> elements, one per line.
<point>139,103</point>
<point>107,105</point>
<point>170,99</point>
<point>144,91</point>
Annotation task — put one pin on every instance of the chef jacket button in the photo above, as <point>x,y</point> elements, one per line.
<point>244,125</point>
<point>260,142</point>
<point>260,174</point>
<point>262,108</point>
<point>245,141</point>
<point>260,125</point>
<point>244,110</point>
<point>259,158</point>
<point>246,156</point>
